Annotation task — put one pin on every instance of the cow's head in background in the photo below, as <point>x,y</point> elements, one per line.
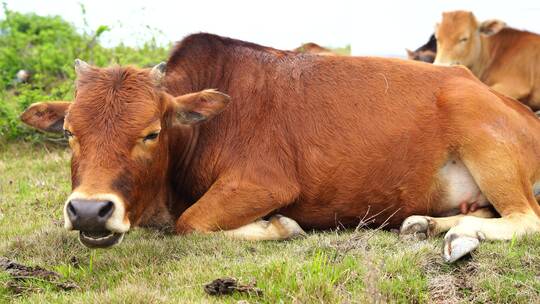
<point>421,55</point>
<point>426,52</point>
<point>459,38</point>
<point>118,129</point>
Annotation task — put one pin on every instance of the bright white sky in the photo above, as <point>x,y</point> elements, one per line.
<point>378,27</point>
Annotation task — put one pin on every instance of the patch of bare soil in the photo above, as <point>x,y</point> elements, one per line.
<point>227,286</point>
<point>453,287</point>
<point>21,273</point>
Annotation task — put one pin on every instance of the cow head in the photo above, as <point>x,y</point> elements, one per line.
<point>118,129</point>
<point>459,38</point>
<point>421,55</point>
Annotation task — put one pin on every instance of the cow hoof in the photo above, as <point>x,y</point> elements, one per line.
<point>455,247</point>
<point>288,228</point>
<point>416,225</point>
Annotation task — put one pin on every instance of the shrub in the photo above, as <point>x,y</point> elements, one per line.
<point>46,46</point>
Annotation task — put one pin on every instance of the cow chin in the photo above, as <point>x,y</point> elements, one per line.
<point>103,239</point>
<point>445,62</point>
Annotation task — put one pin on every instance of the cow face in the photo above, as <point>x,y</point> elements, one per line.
<point>118,130</point>
<point>459,38</point>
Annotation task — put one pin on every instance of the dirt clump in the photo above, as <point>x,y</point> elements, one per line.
<point>227,286</point>
<point>21,273</point>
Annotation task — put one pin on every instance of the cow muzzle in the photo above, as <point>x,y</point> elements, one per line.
<point>99,221</point>
<point>446,62</point>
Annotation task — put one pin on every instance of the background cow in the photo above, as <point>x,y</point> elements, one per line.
<point>504,58</point>
<point>426,52</point>
<point>324,141</point>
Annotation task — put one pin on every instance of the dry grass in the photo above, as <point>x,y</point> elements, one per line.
<point>363,266</point>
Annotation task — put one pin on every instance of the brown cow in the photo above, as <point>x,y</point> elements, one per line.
<point>504,58</point>
<point>313,48</point>
<point>317,139</point>
<point>426,52</point>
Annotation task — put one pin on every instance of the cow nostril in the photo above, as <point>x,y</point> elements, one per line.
<point>71,209</point>
<point>106,210</point>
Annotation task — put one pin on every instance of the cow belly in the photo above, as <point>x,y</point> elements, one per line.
<point>458,188</point>
<point>348,212</point>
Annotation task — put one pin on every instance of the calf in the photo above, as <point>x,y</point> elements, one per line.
<point>312,142</point>
<point>504,58</point>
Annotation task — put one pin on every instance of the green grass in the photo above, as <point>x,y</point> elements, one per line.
<point>154,267</point>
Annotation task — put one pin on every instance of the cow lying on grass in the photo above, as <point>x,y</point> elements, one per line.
<point>322,141</point>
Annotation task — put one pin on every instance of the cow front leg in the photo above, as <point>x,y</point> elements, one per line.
<point>236,207</point>
<point>277,227</point>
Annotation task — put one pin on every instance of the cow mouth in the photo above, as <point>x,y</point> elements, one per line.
<point>101,239</point>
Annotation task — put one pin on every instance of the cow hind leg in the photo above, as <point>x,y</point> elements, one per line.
<point>505,184</point>
<point>467,234</point>
<point>427,226</point>
<point>276,228</point>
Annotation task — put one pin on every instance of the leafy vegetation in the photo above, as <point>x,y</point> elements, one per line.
<point>345,50</point>
<point>46,47</point>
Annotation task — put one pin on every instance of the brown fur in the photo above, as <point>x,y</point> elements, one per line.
<point>322,140</point>
<point>506,59</point>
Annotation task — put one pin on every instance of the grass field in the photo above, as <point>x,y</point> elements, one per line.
<point>153,267</point>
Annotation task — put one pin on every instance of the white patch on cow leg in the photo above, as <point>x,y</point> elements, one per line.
<point>427,226</point>
<point>416,225</point>
<point>277,228</point>
<point>458,240</point>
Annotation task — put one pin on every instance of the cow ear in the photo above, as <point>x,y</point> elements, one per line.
<point>197,107</point>
<point>491,27</point>
<point>46,116</point>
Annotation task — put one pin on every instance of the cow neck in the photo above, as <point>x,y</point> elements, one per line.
<point>484,59</point>
<point>190,137</point>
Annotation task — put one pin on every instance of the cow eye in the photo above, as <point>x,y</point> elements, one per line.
<point>68,134</point>
<point>464,39</point>
<point>151,136</point>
